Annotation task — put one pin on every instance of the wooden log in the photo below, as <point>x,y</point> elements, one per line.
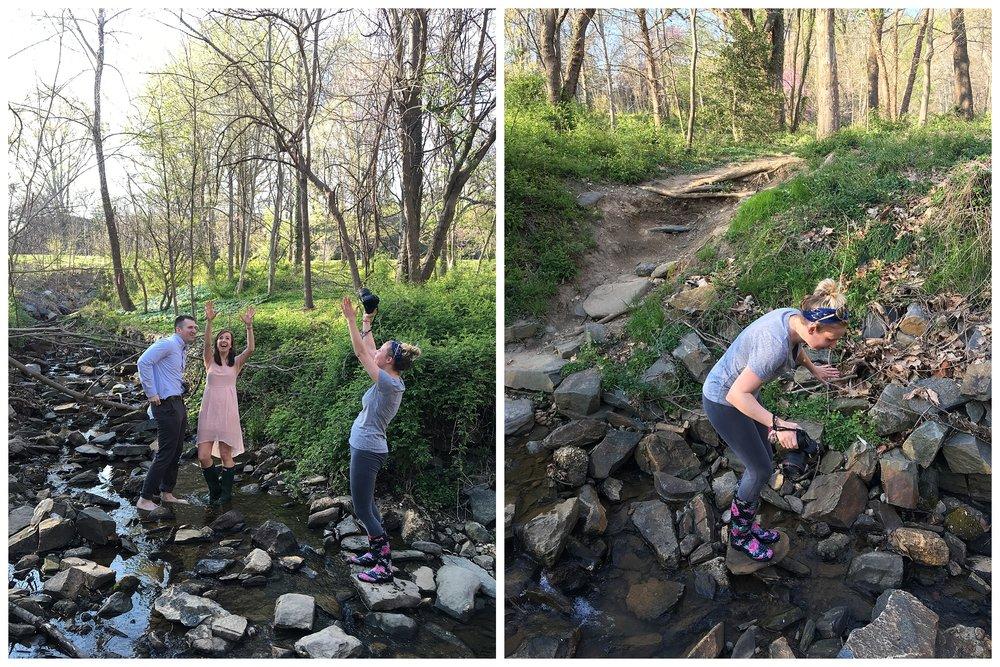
<point>70,392</point>
<point>670,229</point>
<point>62,642</point>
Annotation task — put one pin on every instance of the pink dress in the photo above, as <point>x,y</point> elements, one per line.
<point>219,417</point>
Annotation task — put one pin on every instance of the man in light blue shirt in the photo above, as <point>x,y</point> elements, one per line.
<point>161,372</point>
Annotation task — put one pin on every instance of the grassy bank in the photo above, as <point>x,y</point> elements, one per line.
<point>546,231</point>
<point>304,386</point>
<point>879,208</point>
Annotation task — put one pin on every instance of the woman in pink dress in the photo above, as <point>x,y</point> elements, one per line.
<point>219,430</point>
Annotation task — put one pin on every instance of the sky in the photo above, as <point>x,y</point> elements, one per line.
<point>140,41</point>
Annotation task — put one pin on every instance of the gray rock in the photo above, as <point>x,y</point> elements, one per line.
<point>664,270</point>
<point>396,594</point>
<point>878,569</point>
<point>967,454</point>
<point>833,622</point>
<point>579,393</point>
<point>331,642</point>
<point>518,416</point>
<point>19,518</point>
<point>709,646</point>
<point>192,535</point>
<point>324,517</point>
<point>569,466</point>
<point>904,628</point>
<point>533,372</point>
<point>662,374</point>
<point>204,642</point>
<point>54,533</point>
<point>520,330</point>
<point>394,625</point>
<point>579,433</point>
<point>655,523</point>
<point>962,641</point>
<point>670,488</point>
<point>211,566</point>
<point>836,499</point>
<point>611,489</point>
<point>667,452</point>
<point>862,460</point>
<point>612,452</point>
<point>695,356</point>
<point>613,299</point>
<point>189,610</point>
<point>423,577</point>
<point>834,547</point>
<point>294,611</point>
<point>229,627</point>
<point>589,198</point>
<point>890,413</point>
<point>456,592</point>
<point>651,598</point>
<point>592,512</point>
<point>976,382</point>
<point>923,443</point>
<point>780,649</point>
<point>488,585</point>
<point>567,349</point>
<point>478,532</point>
<point>899,479</point>
<point>724,489</point>
<point>96,526</point>
<point>276,538</point>
<point>544,536</point>
<point>483,502</point>
<point>119,603</point>
<point>66,584</point>
<point>228,522</point>
<point>746,645</point>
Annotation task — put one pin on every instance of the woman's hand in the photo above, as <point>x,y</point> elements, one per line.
<point>787,439</point>
<point>825,373</point>
<point>210,311</point>
<point>247,317</point>
<point>349,313</point>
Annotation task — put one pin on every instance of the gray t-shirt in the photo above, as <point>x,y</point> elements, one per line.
<point>378,406</point>
<point>764,347</point>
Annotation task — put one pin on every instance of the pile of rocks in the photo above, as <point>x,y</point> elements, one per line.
<point>916,510</point>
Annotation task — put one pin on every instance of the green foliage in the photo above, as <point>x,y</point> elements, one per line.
<point>303,388</point>
<point>840,431</point>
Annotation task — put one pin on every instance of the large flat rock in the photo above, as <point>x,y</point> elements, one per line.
<point>533,371</point>
<point>396,594</point>
<point>612,299</point>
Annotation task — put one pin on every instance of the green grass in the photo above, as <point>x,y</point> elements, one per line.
<point>839,431</point>
<point>304,386</point>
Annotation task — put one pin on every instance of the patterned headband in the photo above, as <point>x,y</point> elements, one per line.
<point>827,315</point>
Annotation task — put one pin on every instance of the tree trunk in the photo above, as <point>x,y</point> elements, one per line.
<point>912,76</point>
<point>607,69</point>
<point>232,222</point>
<point>345,241</point>
<point>689,136</point>
<point>410,59</point>
<point>652,71</point>
<point>109,213</point>
<point>874,47</point>
<point>578,42</point>
<point>272,246</point>
<point>797,115</point>
<point>827,85</point>
<point>925,99</point>
<point>960,62</point>
<point>548,43</point>
<point>306,241</point>
<point>774,26</point>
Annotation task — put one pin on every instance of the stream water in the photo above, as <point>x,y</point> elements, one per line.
<point>597,622</point>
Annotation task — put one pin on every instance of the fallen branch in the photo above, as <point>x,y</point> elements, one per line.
<point>70,392</point>
<point>669,229</point>
<point>62,642</point>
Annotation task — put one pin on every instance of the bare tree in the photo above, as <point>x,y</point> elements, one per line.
<point>97,55</point>
<point>960,64</point>
<point>925,99</point>
<point>827,85</point>
<point>689,136</point>
<point>560,85</point>
<point>652,70</point>
<point>914,63</point>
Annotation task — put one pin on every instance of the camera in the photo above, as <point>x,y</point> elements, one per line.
<point>807,445</point>
<point>368,300</point>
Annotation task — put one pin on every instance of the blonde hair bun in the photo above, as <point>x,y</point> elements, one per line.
<point>828,294</point>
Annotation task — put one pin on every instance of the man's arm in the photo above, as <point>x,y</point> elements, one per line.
<point>147,360</point>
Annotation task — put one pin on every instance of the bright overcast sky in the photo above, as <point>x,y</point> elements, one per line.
<point>141,41</point>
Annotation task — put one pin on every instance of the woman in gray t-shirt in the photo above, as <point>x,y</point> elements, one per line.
<point>771,345</point>
<point>369,447</point>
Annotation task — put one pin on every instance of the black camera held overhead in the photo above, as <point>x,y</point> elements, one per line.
<point>368,300</point>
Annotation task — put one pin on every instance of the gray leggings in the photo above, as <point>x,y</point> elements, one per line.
<point>364,469</point>
<point>748,439</point>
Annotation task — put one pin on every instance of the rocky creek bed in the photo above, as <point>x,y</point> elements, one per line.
<point>615,515</point>
<point>264,577</point>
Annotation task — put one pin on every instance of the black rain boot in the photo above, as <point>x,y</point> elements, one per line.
<point>226,478</point>
<point>214,486</point>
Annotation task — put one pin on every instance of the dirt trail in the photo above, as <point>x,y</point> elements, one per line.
<point>626,232</point>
